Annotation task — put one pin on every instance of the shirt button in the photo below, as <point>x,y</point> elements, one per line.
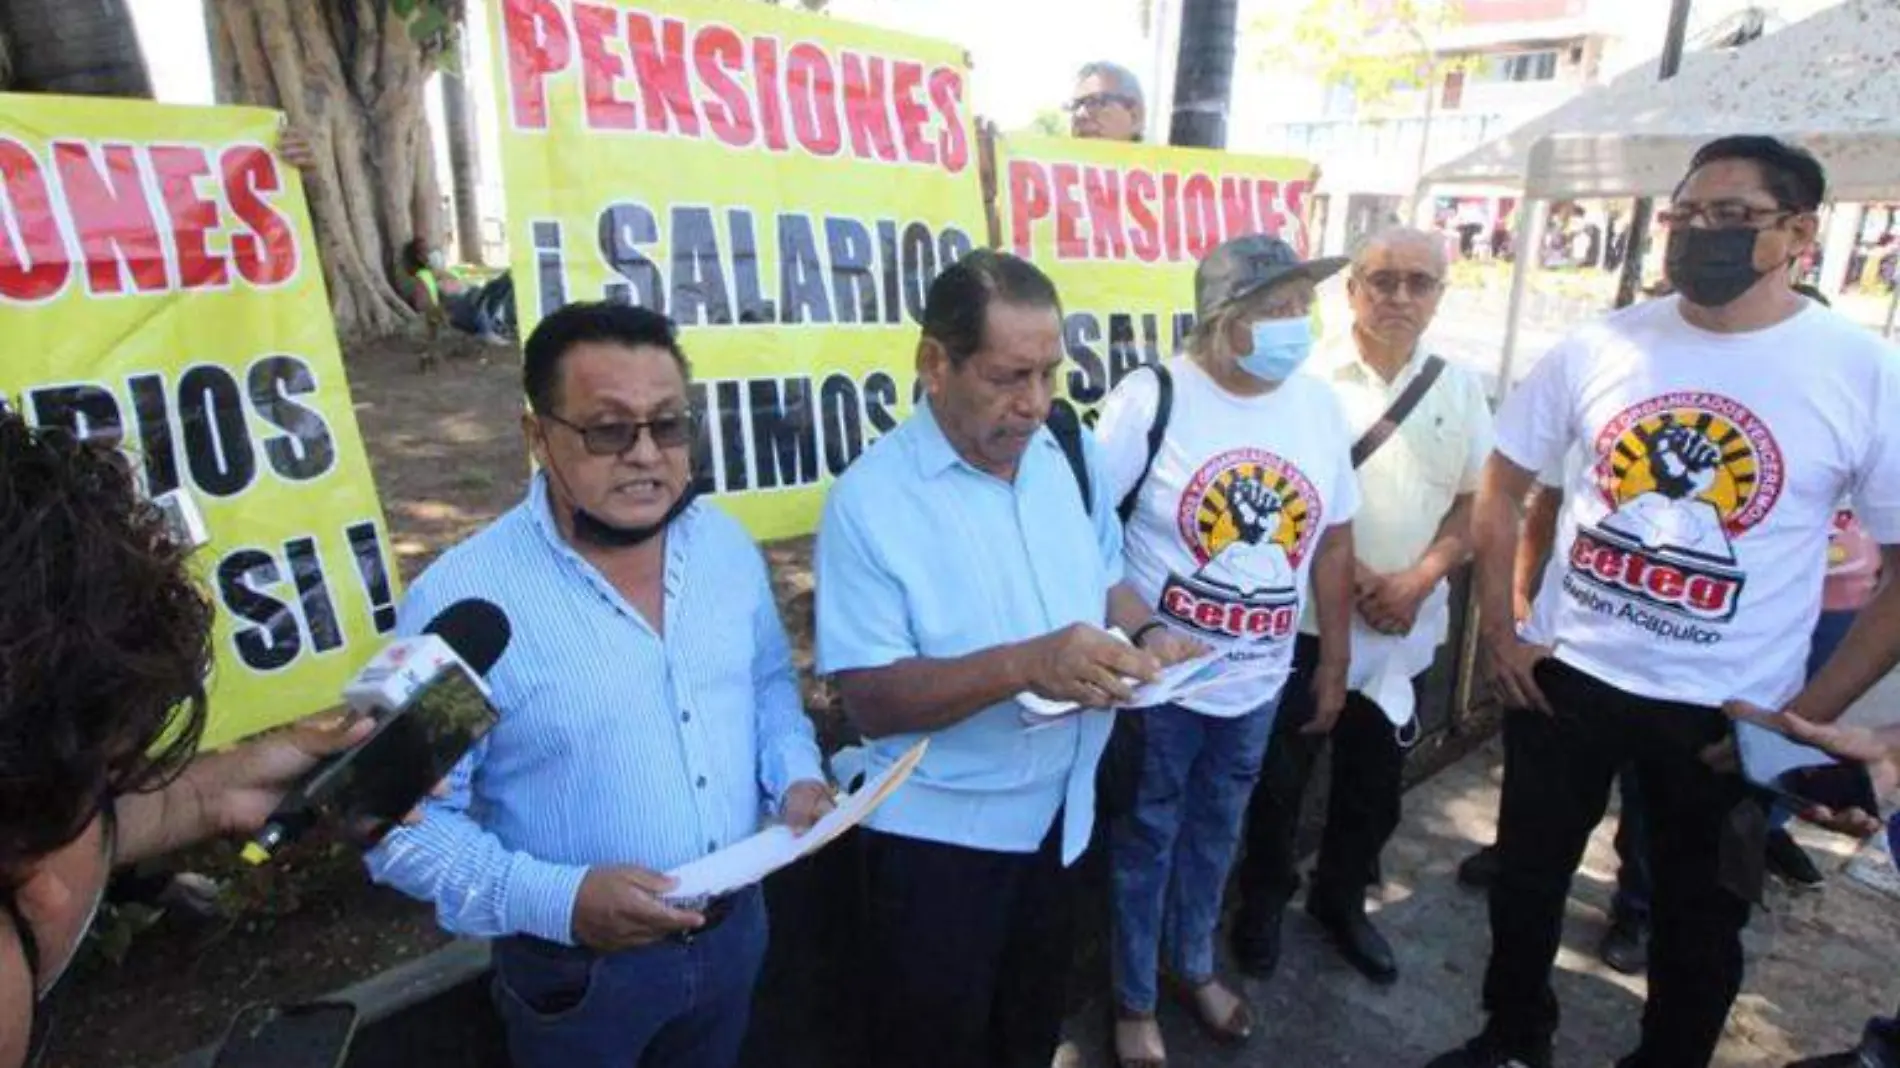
<point>702,782</point>
<point>712,847</point>
<point>686,717</point>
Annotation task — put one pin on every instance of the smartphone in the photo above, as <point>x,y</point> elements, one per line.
<point>412,749</point>
<point>1802,774</point>
<point>316,1034</point>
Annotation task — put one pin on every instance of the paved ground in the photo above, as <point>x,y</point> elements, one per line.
<point>1819,962</point>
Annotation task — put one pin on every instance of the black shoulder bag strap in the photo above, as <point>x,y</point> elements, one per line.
<point>1157,432</point>
<point>1381,432</point>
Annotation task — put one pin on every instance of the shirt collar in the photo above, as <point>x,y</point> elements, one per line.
<point>934,453</point>
<point>541,513</point>
<point>1343,361</point>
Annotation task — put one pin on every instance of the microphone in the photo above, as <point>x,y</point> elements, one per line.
<point>430,704</point>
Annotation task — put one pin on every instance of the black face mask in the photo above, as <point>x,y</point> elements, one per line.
<point>601,534</point>
<point>1712,268</point>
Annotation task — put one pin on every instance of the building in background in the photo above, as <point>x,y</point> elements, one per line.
<point>1495,65</point>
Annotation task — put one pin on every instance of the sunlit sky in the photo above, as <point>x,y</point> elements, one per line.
<point>1026,52</point>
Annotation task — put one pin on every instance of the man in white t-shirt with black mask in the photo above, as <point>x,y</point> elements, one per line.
<point>1722,427</point>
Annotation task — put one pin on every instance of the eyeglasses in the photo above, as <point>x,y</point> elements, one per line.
<point>669,431</point>
<point>1098,101</point>
<point>46,961</point>
<point>1722,215</point>
<point>1417,283</point>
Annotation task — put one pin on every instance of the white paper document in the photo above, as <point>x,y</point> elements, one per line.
<point>744,863</point>
<point>1178,683</point>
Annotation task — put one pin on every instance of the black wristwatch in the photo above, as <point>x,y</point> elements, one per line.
<point>1144,630</point>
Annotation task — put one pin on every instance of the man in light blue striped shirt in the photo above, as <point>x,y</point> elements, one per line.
<point>649,715</point>
<point>958,567</point>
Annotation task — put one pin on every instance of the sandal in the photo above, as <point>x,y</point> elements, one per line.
<point>1138,1041</point>
<point>1223,1014</point>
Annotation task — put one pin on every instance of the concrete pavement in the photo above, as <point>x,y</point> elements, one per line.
<point>1820,961</point>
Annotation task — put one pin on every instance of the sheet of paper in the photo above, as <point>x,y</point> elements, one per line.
<point>1178,683</point>
<point>746,862</point>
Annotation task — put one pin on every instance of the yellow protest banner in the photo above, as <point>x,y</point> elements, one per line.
<point>1120,228</point>
<point>784,186</point>
<point>160,289</point>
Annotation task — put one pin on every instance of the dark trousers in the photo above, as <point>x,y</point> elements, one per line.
<point>1632,851</point>
<point>1362,808</point>
<point>967,953</point>
<point>1557,775</point>
<point>678,1003</point>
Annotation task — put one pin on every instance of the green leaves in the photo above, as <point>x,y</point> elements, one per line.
<point>1049,122</point>
<point>433,25</point>
<point>1373,49</point>
<point>429,22</point>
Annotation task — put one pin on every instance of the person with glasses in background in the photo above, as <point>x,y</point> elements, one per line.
<point>105,641</point>
<point>1722,427</point>
<point>649,714</point>
<point>1423,428</point>
<point>1108,104</point>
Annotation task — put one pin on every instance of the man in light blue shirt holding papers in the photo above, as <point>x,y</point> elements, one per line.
<point>649,716</point>
<point>959,567</point>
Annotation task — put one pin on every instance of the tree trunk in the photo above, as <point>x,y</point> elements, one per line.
<point>1204,73</point>
<point>351,80</point>
<point>59,46</point>
<point>458,114</point>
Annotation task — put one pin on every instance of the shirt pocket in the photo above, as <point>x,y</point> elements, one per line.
<point>1439,451</point>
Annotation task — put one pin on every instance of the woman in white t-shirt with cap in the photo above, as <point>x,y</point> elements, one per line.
<point>1236,482</point>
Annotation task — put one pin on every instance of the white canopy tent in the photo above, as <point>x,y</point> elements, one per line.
<point>1830,82</point>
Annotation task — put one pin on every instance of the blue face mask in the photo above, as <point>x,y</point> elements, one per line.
<point>1280,346</point>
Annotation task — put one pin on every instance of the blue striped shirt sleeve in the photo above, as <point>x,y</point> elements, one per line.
<point>480,889</point>
<point>787,751</point>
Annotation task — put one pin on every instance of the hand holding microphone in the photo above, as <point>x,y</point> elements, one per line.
<point>421,703</point>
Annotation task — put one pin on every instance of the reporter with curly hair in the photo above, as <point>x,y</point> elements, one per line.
<point>104,651</point>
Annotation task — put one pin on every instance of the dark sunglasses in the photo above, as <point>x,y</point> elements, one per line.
<point>611,439</point>
<point>1388,283</point>
<point>1098,101</point>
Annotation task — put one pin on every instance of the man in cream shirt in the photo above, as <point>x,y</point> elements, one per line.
<point>1413,528</point>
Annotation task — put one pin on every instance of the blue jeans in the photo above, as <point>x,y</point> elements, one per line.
<point>1171,854</point>
<point>672,1004</point>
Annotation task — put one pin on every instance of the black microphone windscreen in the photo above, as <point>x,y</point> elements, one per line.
<point>477,630</point>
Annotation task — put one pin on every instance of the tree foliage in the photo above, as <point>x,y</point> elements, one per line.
<point>1049,122</point>
<point>1373,47</point>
